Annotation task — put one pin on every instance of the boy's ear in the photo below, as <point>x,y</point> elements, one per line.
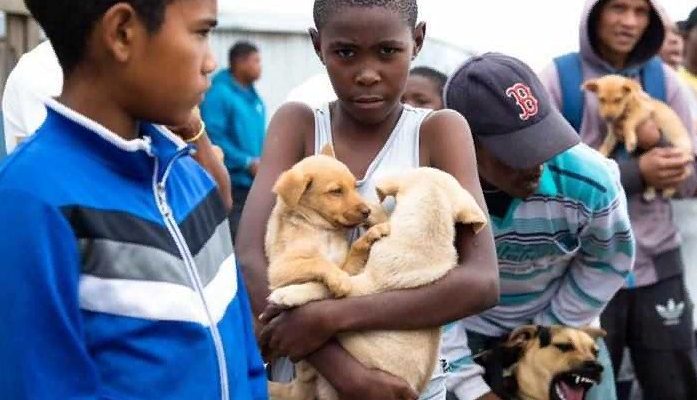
<point>119,27</point>
<point>419,38</point>
<point>316,43</point>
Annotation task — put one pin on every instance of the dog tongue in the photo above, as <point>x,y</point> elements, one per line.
<point>572,393</point>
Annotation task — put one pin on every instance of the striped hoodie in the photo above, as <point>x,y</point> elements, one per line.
<point>119,277</point>
<point>563,253</point>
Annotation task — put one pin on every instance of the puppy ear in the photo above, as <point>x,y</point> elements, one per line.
<point>291,186</point>
<point>387,187</point>
<point>328,150</point>
<point>468,212</point>
<point>630,86</point>
<point>591,86</point>
<point>595,333</point>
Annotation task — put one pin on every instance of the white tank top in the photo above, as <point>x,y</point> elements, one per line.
<point>400,152</point>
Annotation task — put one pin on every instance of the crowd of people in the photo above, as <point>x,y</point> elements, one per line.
<point>121,277</point>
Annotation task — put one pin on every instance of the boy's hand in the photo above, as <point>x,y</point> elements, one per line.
<point>372,384</point>
<point>253,167</point>
<point>648,134</point>
<point>189,129</point>
<point>296,332</point>
<point>664,167</point>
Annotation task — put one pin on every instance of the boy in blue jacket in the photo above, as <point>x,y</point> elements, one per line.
<point>119,277</point>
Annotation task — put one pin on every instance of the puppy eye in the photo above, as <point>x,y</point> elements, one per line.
<point>595,352</point>
<point>337,192</point>
<point>564,347</point>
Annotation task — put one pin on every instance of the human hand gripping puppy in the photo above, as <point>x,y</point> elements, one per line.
<point>429,203</point>
<point>626,107</point>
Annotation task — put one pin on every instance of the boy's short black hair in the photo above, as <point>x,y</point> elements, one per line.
<point>324,9</point>
<point>437,77</point>
<point>68,23</point>
<point>240,50</point>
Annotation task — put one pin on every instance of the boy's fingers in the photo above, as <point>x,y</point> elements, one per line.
<point>271,312</point>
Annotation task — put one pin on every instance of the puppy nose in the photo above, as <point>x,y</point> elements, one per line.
<point>365,210</point>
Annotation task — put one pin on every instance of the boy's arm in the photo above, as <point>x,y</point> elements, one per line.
<point>601,266</point>
<point>472,288</point>
<point>219,127</point>
<point>42,346</point>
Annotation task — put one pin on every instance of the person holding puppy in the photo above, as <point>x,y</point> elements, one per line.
<point>652,315</point>
<point>367,47</point>
<point>557,209</point>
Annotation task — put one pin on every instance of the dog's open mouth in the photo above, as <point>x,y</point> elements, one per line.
<point>573,385</point>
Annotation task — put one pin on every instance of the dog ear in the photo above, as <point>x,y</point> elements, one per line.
<point>387,187</point>
<point>468,212</point>
<point>522,335</point>
<point>591,86</point>
<point>595,333</point>
<point>328,150</point>
<point>630,86</point>
<point>291,186</point>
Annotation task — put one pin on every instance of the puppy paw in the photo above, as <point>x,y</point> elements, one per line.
<point>630,145</point>
<point>377,232</point>
<point>339,283</point>
<point>668,193</point>
<point>649,194</point>
<point>297,295</point>
<point>285,297</point>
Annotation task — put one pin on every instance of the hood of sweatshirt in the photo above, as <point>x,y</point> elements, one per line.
<point>646,48</point>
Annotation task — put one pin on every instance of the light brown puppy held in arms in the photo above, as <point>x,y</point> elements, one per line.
<point>307,234</point>
<point>418,251</point>
<point>625,106</point>
<point>545,363</point>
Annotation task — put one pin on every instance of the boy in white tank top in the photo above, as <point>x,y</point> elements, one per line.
<point>367,47</point>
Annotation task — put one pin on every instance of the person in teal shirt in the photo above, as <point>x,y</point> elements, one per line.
<point>235,118</point>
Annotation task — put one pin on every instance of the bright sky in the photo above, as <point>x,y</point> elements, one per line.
<point>533,30</point>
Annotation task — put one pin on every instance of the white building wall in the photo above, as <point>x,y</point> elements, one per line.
<point>288,59</point>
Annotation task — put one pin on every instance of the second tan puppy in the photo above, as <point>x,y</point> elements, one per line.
<point>418,251</point>
<point>623,104</point>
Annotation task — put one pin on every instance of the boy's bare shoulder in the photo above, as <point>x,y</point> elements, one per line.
<point>445,125</point>
<point>298,115</point>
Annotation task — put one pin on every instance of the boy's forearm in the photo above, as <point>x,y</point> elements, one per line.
<point>461,293</point>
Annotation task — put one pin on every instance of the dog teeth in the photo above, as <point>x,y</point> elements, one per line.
<point>559,393</point>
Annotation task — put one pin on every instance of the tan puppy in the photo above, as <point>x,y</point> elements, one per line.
<point>545,363</point>
<point>625,106</point>
<point>306,237</point>
<point>418,251</point>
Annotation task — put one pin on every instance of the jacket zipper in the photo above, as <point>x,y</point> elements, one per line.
<point>159,190</point>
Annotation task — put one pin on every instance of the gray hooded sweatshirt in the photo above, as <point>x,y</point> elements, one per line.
<point>657,239</point>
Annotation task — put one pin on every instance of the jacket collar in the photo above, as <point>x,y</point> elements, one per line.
<point>133,157</point>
